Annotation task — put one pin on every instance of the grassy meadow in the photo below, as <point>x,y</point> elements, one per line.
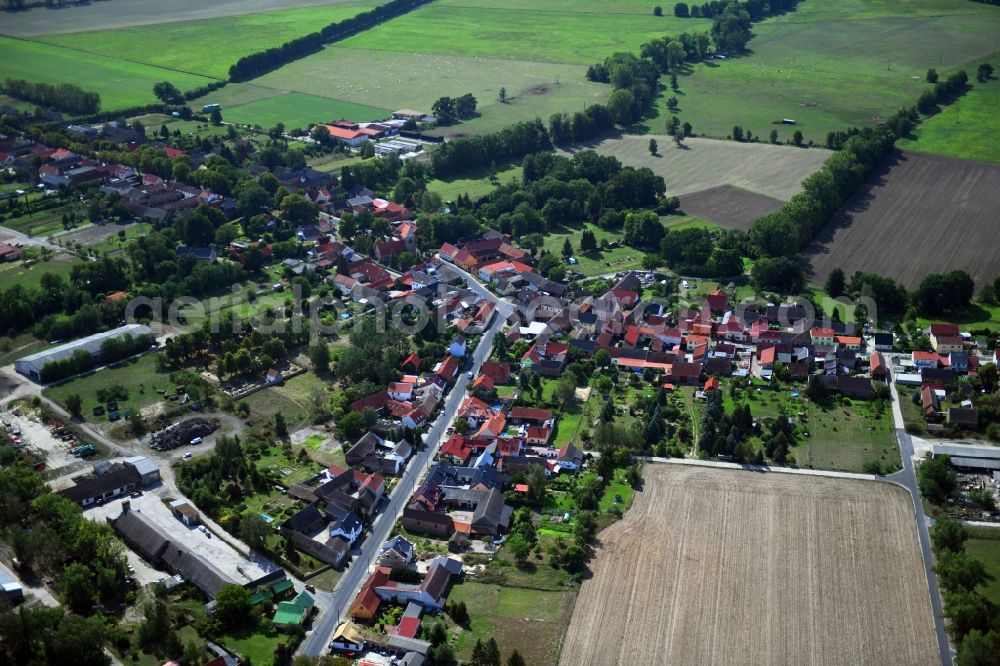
<point>415,80</point>
<point>985,546</point>
<point>300,110</point>
<point>29,275</point>
<point>833,65</point>
<point>120,83</point>
<point>964,128</point>
<point>207,47</point>
<point>546,32</point>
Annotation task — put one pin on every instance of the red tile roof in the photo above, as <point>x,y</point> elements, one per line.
<point>531,414</point>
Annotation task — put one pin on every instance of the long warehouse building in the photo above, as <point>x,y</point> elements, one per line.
<point>31,366</point>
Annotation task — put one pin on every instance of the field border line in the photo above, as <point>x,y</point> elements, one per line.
<point>747,467</point>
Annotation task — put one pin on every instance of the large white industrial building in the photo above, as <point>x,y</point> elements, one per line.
<point>31,366</point>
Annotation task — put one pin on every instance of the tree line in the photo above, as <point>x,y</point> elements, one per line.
<point>261,62</point>
<point>787,231</point>
<point>112,350</point>
<point>757,9</point>
<point>974,620</point>
<point>63,97</point>
<point>49,535</point>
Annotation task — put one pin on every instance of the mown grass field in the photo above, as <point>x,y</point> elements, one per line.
<point>775,171</point>
<point>531,621</point>
<point>139,375</point>
<point>414,80</point>
<point>30,275</point>
<point>474,184</point>
<point>965,128</point>
<point>208,47</point>
<point>985,546</point>
<point>546,32</point>
<point>120,83</point>
<point>611,260</point>
<point>831,65</point>
<point>300,110</point>
<point>842,436</point>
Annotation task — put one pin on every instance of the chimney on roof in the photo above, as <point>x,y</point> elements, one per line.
<point>126,505</point>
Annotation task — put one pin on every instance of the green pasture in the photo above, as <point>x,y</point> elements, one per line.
<point>300,110</point>
<point>473,184</point>
<point>139,376</point>
<point>599,262</point>
<point>985,546</point>
<point>602,7</point>
<point>415,80</point>
<point>530,621</point>
<point>830,66</point>
<point>208,46</point>
<point>120,83</point>
<point>29,274</point>
<point>843,435</point>
<point>540,33</point>
<point>966,127</point>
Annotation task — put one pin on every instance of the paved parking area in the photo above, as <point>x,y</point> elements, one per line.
<point>212,548</point>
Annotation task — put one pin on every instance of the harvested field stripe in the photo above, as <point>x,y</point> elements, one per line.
<point>687,575</point>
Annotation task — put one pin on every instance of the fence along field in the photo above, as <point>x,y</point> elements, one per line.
<point>918,214</point>
<point>715,566</point>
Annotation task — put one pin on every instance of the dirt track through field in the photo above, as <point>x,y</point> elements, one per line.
<point>728,567</point>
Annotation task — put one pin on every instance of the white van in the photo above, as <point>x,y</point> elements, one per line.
<point>196,440</point>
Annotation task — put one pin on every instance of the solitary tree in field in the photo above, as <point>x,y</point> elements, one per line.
<point>652,146</point>
<point>503,95</point>
<point>984,73</point>
<point>797,138</point>
<point>774,136</point>
<point>672,104</point>
<point>932,75</point>
<point>687,129</point>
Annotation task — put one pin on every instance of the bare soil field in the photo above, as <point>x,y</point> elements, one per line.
<point>58,19</point>
<point>728,206</point>
<point>919,214</point>
<point>772,170</point>
<point>714,566</point>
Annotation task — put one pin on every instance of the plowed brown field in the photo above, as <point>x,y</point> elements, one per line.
<point>714,566</point>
